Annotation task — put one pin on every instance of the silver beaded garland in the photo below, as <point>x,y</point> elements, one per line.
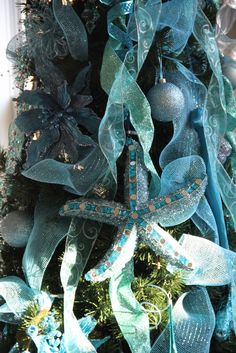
<point>166,101</point>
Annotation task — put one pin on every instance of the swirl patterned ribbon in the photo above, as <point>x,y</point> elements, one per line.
<point>79,243</point>
<point>120,83</point>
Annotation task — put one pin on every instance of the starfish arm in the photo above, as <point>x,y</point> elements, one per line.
<point>162,243</point>
<point>118,255</point>
<point>97,210</point>
<point>175,208</point>
<point>136,176</point>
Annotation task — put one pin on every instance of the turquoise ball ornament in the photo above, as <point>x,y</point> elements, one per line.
<point>166,101</point>
<point>16,227</point>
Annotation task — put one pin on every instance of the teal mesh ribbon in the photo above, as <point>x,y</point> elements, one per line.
<point>194,323</point>
<point>120,82</point>
<point>131,318</point>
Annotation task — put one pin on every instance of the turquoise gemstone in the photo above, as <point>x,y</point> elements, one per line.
<point>162,203</point>
<point>143,223</point>
<point>106,210</point>
<point>158,205</point>
<point>183,260</point>
<point>113,256</point>
<point>132,172</point>
<point>146,210</point>
<point>141,212</point>
<point>122,240</point>
<point>132,188</point>
<point>155,234</point>
<point>129,225</point>
<point>132,204</point>
<point>168,246</point>
<point>102,268</point>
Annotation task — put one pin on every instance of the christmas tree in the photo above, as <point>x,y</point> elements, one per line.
<point>118,187</point>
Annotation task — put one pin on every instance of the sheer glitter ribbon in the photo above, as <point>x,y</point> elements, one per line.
<point>120,83</point>
<point>80,240</point>
<point>49,229</point>
<point>73,30</point>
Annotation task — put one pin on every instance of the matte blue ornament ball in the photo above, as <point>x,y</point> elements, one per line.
<point>16,227</point>
<point>166,101</point>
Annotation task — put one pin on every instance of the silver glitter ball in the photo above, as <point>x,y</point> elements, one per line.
<point>16,227</point>
<point>166,101</point>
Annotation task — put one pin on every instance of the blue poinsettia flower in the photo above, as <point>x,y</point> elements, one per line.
<point>61,136</point>
<point>53,124</point>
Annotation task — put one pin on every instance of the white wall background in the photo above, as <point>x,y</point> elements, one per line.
<point>9,25</point>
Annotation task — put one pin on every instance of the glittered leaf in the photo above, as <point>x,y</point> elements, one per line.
<point>89,120</point>
<point>80,80</point>
<point>30,121</point>
<point>37,99</point>
<point>63,96</point>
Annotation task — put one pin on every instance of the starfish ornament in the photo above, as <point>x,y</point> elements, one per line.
<point>139,218</point>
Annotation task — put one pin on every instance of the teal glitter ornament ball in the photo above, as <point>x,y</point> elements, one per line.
<point>166,101</point>
<point>16,227</point>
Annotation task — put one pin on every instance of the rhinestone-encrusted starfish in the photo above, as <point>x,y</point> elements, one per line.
<point>138,218</point>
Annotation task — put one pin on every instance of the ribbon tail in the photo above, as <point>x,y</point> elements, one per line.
<point>80,241</point>
<point>132,320</point>
<point>49,229</point>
